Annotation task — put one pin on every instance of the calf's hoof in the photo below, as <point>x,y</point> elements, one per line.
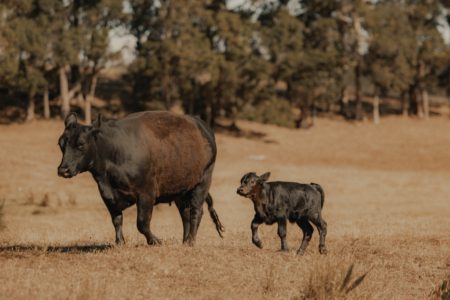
<point>323,250</point>
<point>301,252</point>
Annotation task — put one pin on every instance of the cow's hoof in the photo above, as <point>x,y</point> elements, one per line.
<point>154,242</point>
<point>301,252</point>
<point>323,250</point>
<point>120,243</point>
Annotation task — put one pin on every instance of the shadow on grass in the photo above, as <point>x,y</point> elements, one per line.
<point>56,249</point>
<point>235,131</point>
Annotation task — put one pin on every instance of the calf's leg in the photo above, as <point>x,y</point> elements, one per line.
<point>322,227</point>
<point>145,205</point>
<point>307,234</point>
<point>254,226</point>
<point>282,234</point>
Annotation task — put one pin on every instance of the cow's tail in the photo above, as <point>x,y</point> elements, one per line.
<point>212,212</point>
<point>322,194</point>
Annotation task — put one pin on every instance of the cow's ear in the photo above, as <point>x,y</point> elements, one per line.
<point>264,177</point>
<point>98,122</point>
<point>96,125</point>
<point>71,119</point>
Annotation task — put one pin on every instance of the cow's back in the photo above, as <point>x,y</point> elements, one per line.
<point>176,148</point>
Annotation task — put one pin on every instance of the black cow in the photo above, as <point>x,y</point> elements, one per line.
<point>281,201</point>
<point>145,159</point>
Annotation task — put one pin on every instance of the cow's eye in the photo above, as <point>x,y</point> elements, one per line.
<point>80,146</point>
<point>61,143</point>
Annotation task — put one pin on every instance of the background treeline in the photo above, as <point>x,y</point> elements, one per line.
<point>258,60</point>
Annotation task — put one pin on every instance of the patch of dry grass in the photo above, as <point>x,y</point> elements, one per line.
<point>386,206</point>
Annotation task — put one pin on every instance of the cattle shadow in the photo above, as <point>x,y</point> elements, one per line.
<point>56,249</point>
<point>235,131</point>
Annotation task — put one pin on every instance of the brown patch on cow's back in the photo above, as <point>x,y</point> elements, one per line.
<point>179,151</point>
<point>162,123</point>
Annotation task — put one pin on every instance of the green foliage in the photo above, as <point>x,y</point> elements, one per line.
<point>273,111</point>
<point>218,62</point>
<point>392,50</point>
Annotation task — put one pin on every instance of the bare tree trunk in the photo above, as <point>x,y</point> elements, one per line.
<point>359,42</point>
<point>448,89</point>
<point>358,108</point>
<point>419,104</point>
<point>31,107</point>
<point>405,105</point>
<point>426,104</point>
<point>89,98</point>
<point>420,92</point>
<point>46,103</point>
<point>343,103</point>
<point>64,90</point>
<point>376,108</point>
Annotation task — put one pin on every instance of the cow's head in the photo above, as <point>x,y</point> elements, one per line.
<point>77,144</point>
<point>250,182</point>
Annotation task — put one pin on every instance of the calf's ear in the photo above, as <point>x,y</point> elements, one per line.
<point>70,120</point>
<point>264,177</point>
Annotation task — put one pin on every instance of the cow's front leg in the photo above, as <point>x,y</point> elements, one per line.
<point>254,226</point>
<point>114,210</point>
<point>145,203</point>
<point>282,234</point>
<point>117,219</point>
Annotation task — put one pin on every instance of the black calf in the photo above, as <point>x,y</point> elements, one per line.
<point>281,201</point>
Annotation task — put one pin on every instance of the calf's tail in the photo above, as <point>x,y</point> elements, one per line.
<point>212,212</point>
<point>322,194</point>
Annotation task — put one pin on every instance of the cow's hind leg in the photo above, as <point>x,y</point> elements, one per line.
<point>322,227</point>
<point>198,197</point>
<point>184,210</point>
<point>307,234</point>
<point>196,212</point>
<point>145,205</point>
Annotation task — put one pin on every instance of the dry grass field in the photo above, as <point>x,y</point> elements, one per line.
<point>387,206</point>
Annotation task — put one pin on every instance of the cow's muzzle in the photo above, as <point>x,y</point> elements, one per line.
<point>65,172</point>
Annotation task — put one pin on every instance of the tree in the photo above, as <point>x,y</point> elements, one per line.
<point>24,62</point>
<point>391,49</point>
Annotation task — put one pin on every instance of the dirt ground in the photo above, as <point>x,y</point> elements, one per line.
<point>387,207</point>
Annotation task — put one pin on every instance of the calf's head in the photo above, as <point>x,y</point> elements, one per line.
<point>77,144</point>
<point>250,183</point>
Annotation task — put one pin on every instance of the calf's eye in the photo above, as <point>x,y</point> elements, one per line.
<point>80,147</point>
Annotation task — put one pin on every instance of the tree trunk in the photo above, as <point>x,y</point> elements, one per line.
<point>419,103</point>
<point>376,108</point>
<point>405,105</point>
<point>343,103</point>
<point>89,99</point>
<point>359,42</point>
<point>46,103</point>
<point>426,104</point>
<point>358,103</point>
<point>420,92</point>
<point>31,107</point>
<point>448,89</point>
<point>64,90</point>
